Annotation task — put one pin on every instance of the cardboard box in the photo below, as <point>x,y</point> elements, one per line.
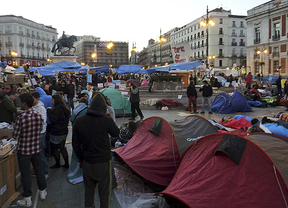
<point>17,79</point>
<point>7,178</point>
<point>5,149</point>
<point>6,133</point>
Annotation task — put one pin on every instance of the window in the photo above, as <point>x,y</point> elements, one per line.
<point>220,52</point>
<point>233,24</point>
<point>220,62</point>
<point>241,24</point>
<point>233,33</point>
<point>220,31</point>
<point>233,52</point>
<point>220,21</point>
<point>220,41</point>
<point>241,33</point>
<point>256,67</point>
<point>257,34</point>
<point>276,31</point>
<point>241,52</point>
<point>275,65</point>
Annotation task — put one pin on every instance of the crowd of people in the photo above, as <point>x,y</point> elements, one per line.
<point>41,116</point>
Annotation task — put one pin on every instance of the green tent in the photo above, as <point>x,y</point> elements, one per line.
<point>120,104</point>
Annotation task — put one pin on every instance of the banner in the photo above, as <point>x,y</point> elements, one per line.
<point>181,52</point>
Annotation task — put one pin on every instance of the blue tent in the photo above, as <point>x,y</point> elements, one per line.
<point>129,69</point>
<point>224,103</point>
<point>101,69</point>
<point>181,66</point>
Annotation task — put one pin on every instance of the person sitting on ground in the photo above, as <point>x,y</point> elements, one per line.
<point>268,93</point>
<point>126,133</point>
<point>255,126</point>
<point>254,89</point>
<point>247,95</point>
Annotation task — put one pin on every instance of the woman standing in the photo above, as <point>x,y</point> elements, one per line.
<point>192,95</point>
<point>59,118</point>
<point>134,100</point>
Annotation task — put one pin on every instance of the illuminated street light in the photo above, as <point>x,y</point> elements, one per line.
<point>93,55</point>
<point>14,54</point>
<point>109,46</point>
<point>207,21</point>
<point>49,60</point>
<point>82,64</point>
<point>262,62</point>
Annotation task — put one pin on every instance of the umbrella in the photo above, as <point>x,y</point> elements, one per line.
<point>136,82</point>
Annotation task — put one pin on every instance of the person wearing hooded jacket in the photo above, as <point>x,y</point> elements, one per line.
<point>90,141</point>
<point>44,98</point>
<point>59,119</point>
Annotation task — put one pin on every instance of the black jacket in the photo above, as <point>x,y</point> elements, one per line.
<point>90,138</point>
<point>207,91</point>
<point>134,95</point>
<point>191,91</point>
<point>59,118</point>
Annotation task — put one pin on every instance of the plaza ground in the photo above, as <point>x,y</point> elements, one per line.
<point>62,194</point>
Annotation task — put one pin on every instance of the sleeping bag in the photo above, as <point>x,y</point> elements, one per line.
<point>276,129</point>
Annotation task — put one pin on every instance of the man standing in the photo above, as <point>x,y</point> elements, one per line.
<point>248,81</point>
<point>7,109</point>
<point>71,93</point>
<point>134,100</point>
<point>39,107</point>
<point>207,92</point>
<point>27,130</point>
<point>91,144</point>
<point>279,86</point>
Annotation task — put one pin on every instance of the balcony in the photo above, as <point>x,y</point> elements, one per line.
<point>8,44</point>
<point>276,37</point>
<point>220,43</point>
<point>256,56</point>
<point>21,32</point>
<point>43,48</point>
<point>234,56</point>
<point>234,35</point>
<point>242,44</point>
<point>28,45</point>
<point>38,36</point>
<point>8,31</point>
<point>21,44</point>
<point>48,49</point>
<point>220,55</point>
<point>274,54</point>
<point>38,47</point>
<point>233,44</point>
<point>242,25</point>
<point>257,41</point>
<point>234,25</point>
<point>220,32</point>
<point>242,55</point>
<point>33,36</point>
<point>242,35</point>
<point>194,47</point>
<point>28,34</point>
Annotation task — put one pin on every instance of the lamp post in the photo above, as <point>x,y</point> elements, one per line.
<point>262,62</point>
<point>109,46</point>
<point>135,54</point>
<point>206,23</point>
<point>161,40</point>
<point>14,54</point>
<point>48,60</point>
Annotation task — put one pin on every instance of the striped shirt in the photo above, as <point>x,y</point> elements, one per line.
<point>27,130</point>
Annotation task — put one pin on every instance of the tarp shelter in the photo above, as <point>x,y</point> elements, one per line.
<point>275,147</point>
<point>154,157</point>
<point>101,69</point>
<point>224,103</point>
<point>128,69</point>
<point>119,102</point>
<point>190,129</point>
<point>224,170</point>
<point>180,66</point>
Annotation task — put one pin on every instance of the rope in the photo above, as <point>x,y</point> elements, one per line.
<point>275,172</point>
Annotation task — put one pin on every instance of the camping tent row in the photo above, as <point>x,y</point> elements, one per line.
<point>64,66</point>
<point>201,167</point>
<point>138,68</point>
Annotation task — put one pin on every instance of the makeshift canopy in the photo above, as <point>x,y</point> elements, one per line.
<point>180,66</point>
<point>129,69</point>
<point>100,69</point>
<point>221,170</point>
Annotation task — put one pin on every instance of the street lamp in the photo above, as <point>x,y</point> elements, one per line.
<point>160,41</point>
<point>93,56</point>
<point>262,62</point>
<point>109,46</point>
<point>207,21</point>
<point>48,60</point>
<point>135,54</point>
<point>14,54</point>
<point>212,59</point>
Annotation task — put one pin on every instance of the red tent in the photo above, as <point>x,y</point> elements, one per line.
<point>153,157</point>
<point>224,170</point>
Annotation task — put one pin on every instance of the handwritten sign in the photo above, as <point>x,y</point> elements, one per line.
<point>181,52</point>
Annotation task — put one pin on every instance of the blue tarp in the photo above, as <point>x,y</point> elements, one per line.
<point>224,103</point>
<point>181,66</point>
<point>129,69</point>
<point>101,69</point>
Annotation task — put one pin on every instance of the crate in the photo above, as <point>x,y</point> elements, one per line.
<point>5,149</point>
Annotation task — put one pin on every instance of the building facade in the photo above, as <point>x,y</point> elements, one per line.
<point>226,39</point>
<point>267,38</point>
<point>24,41</point>
<point>89,45</point>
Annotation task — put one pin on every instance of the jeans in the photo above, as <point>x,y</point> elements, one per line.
<point>24,167</point>
<point>42,153</point>
<point>204,101</point>
<point>71,103</point>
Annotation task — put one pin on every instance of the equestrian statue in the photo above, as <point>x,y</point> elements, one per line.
<point>64,45</point>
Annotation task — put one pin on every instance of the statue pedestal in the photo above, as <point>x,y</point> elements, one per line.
<point>57,59</point>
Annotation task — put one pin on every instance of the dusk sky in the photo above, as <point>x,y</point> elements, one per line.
<point>126,20</point>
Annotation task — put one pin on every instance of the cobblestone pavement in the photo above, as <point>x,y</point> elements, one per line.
<point>62,194</point>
